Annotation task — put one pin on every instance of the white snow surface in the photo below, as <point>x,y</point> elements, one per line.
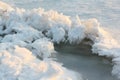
<point>26,34</point>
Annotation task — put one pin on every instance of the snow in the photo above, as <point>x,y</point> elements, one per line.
<point>26,34</point>
<point>22,40</point>
<point>60,32</point>
<point>4,6</point>
<point>43,47</point>
<point>17,63</point>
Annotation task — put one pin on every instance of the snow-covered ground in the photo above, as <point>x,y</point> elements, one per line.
<point>26,34</point>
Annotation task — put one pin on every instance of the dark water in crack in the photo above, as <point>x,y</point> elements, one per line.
<point>80,59</point>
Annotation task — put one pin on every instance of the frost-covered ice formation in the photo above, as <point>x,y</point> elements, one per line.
<point>19,64</point>
<point>21,41</point>
<point>26,34</point>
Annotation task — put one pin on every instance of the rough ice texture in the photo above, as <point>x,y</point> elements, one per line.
<point>26,34</point>
<point>23,39</point>
<point>4,6</point>
<point>43,47</point>
<point>17,63</point>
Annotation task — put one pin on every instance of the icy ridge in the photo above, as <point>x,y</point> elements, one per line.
<point>22,41</point>
<point>35,31</point>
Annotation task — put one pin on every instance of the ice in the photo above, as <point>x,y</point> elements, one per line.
<point>17,63</point>
<point>20,40</point>
<point>5,7</point>
<point>28,32</point>
<point>60,36</point>
<point>77,31</point>
<point>43,47</point>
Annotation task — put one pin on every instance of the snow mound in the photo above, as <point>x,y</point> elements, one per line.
<point>5,7</point>
<point>17,63</point>
<point>22,40</point>
<point>28,32</point>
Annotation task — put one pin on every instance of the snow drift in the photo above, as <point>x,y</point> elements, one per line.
<point>26,34</point>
